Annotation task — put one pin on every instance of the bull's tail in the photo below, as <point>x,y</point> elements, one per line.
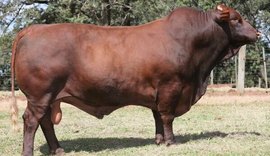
<point>14,112</point>
<point>13,106</point>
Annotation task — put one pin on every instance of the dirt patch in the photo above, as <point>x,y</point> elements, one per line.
<point>227,90</point>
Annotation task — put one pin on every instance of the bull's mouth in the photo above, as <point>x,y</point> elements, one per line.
<point>251,37</point>
<point>256,36</point>
<point>247,40</point>
<point>253,40</point>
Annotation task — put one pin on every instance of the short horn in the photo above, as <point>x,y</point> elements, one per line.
<point>223,13</point>
<point>219,8</point>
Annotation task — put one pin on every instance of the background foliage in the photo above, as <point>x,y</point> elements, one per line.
<point>17,14</point>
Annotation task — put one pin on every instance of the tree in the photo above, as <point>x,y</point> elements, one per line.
<point>5,43</point>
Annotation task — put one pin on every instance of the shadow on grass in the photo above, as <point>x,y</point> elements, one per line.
<point>209,135</point>
<point>100,144</point>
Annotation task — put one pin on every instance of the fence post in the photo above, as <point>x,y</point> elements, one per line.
<point>212,77</point>
<point>241,69</point>
<point>264,68</point>
<point>236,68</point>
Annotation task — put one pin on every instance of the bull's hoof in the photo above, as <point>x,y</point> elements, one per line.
<point>169,142</point>
<point>59,152</point>
<point>159,139</point>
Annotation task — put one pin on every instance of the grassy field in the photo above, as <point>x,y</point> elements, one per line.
<point>220,124</point>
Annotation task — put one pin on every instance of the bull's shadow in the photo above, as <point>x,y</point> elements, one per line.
<point>100,144</point>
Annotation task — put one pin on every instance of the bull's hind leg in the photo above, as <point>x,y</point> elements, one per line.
<point>33,114</point>
<point>30,127</point>
<point>49,133</point>
<point>31,118</point>
<point>159,139</point>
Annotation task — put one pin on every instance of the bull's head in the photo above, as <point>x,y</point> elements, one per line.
<point>240,32</point>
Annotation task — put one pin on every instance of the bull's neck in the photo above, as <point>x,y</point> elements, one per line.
<point>204,41</point>
<point>210,44</point>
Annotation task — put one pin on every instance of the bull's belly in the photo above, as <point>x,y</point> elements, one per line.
<point>96,110</point>
<point>101,108</point>
<point>99,101</point>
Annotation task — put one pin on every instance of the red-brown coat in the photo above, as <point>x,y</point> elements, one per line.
<point>163,65</point>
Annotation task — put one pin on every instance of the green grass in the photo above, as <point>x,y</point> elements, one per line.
<point>207,129</point>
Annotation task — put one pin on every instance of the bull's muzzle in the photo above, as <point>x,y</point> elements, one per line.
<point>259,34</point>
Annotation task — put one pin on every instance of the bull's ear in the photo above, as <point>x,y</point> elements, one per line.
<point>223,13</point>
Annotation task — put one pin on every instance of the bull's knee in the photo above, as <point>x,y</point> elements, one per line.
<point>56,115</point>
<point>167,119</point>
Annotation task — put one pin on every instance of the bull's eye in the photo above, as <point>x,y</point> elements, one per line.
<point>235,21</point>
<point>240,20</point>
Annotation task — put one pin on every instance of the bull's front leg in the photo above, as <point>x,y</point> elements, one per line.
<point>159,138</point>
<point>164,128</point>
<point>168,128</point>
<point>168,98</point>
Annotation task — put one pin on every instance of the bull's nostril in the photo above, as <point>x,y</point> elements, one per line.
<point>258,34</point>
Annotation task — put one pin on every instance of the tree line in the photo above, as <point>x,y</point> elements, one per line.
<point>18,14</point>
